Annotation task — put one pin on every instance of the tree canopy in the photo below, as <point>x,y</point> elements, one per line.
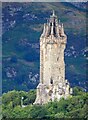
<point>72,107</point>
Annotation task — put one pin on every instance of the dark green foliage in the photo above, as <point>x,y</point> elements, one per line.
<point>37,111</point>
<point>74,107</point>
<point>13,59</point>
<point>77,91</point>
<point>31,56</point>
<point>30,98</point>
<point>13,98</point>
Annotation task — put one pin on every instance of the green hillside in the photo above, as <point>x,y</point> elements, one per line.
<point>22,27</point>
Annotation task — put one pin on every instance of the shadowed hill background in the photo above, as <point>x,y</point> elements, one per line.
<point>22,25</point>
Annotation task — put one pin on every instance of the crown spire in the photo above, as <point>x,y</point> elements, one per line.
<point>53,13</point>
<point>52,27</point>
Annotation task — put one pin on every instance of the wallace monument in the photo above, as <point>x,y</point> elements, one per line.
<point>53,84</point>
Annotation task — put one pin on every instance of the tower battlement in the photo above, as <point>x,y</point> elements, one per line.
<point>52,66</point>
<point>53,28</point>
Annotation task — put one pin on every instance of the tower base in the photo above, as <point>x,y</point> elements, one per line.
<point>49,93</point>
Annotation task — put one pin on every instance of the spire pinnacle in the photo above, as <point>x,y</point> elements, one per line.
<point>47,21</point>
<point>53,13</point>
<point>62,27</point>
<point>59,21</point>
<point>44,30</point>
<point>52,29</point>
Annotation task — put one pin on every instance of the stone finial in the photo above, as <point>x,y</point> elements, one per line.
<point>44,27</point>
<point>47,21</point>
<point>71,91</point>
<point>62,25</point>
<point>44,30</point>
<point>59,22</point>
<point>62,30</point>
<point>52,32</point>
<point>47,30</point>
<point>53,13</point>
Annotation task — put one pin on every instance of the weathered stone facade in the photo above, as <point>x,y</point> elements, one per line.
<point>52,67</point>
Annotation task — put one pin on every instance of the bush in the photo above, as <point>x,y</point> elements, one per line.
<point>73,107</point>
<point>77,91</point>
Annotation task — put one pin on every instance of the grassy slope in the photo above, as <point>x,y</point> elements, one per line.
<point>74,23</point>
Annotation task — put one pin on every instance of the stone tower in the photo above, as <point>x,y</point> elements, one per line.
<point>52,67</point>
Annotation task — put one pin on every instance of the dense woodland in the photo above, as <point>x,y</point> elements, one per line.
<point>73,107</point>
